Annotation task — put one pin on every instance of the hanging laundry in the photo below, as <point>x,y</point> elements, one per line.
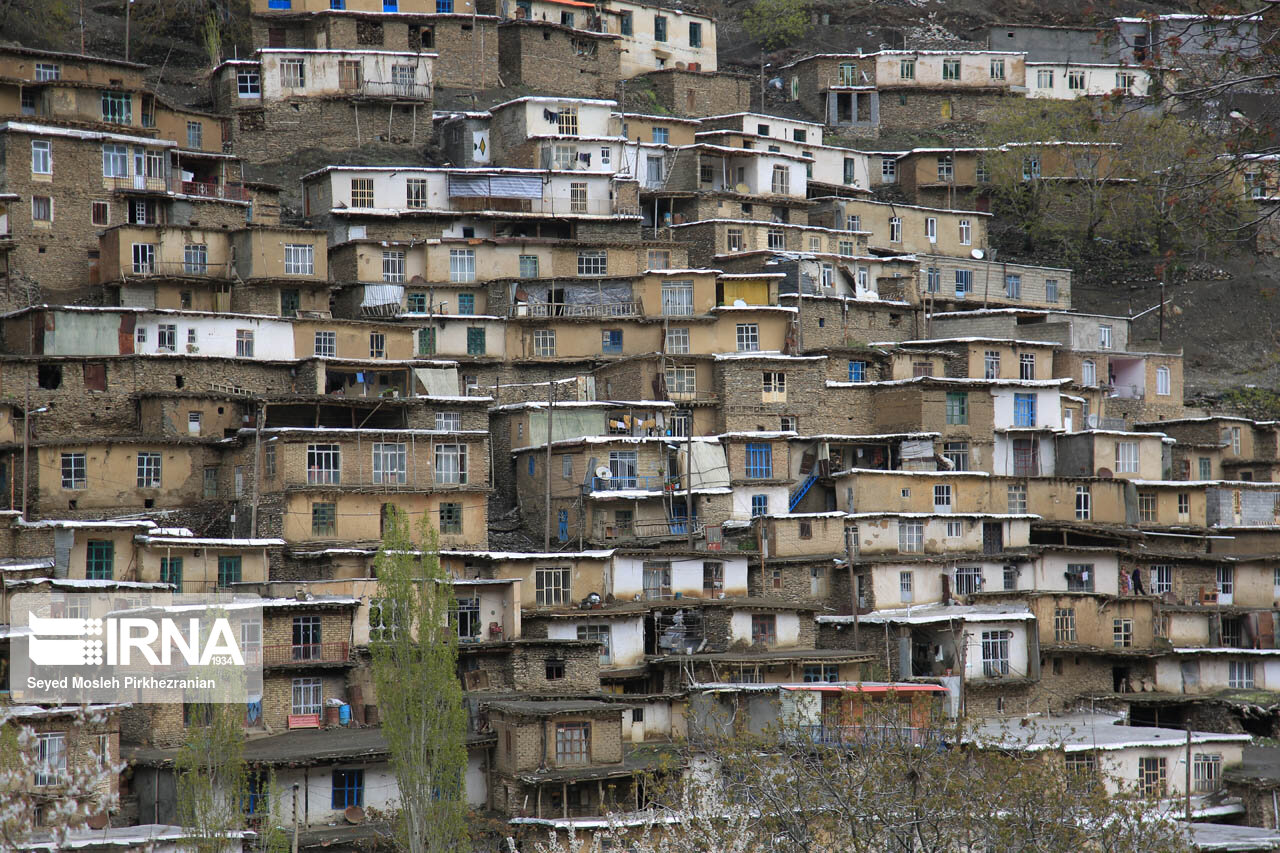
<point>551,116</point>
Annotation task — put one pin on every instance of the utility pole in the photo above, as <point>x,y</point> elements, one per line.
<point>26,449</point>
<point>128,10</point>
<point>551,409</point>
<point>257,469</point>
<point>688,486</point>
<point>295,817</point>
<point>853,583</point>
<point>1188,777</point>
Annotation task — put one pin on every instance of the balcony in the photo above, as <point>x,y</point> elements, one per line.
<point>302,654</point>
<point>175,268</point>
<point>566,309</point>
<point>386,89</point>
<point>647,529</point>
<point>864,735</point>
<point>177,186</point>
<point>624,483</point>
<point>542,206</point>
<point>693,396</point>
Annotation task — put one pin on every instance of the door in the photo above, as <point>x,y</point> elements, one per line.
<point>563,534</point>
<point>1226,584</point>
<point>992,537</point>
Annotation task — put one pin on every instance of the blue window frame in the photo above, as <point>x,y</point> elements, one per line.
<point>611,341</point>
<point>444,7</point>
<point>533,465</point>
<point>563,531</point>
<point>279,4</point>
<point>1024,410</point>
<point>857,371</point>
<point>759,461</point>
<point>348,788</point>
<point>338,5</point>
<point>964,282</point>
<point>391,5</point>
<point>466,303</point>
<point>759,505</point>
<point>661,135</point>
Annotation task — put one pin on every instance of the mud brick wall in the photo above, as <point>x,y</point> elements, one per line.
<point>277,130</point>
<point>550,58</point>
<point>692,94</point>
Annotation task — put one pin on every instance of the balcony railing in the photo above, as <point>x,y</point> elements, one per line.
<point>693,396</point>
<point>287,654</point>
<point>567,309</point>
<point>177,186</point>
<point>544,206</point>
<point>648,529</point>
<point>386,89</point>
<point>854,735</point>
<point>625,483</point>
<point>175,268</point>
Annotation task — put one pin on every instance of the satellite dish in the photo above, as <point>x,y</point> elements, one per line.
<point>603,472</point>
<point>354,814</point>
<point>742,189</point>
<point>1105,474</point>
<point>978,254</point>
<point>739,303</point>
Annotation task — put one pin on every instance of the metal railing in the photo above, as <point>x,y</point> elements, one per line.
<point>285,654</point>
<point>545,206</point>
<point>835,734</point>
<point>568,309</point>
<point>386,89</point>
<point>648,529</point>
<point>693,396</point>
<point>623,483</point>
<point>201,189</point>
<point>174,268</point>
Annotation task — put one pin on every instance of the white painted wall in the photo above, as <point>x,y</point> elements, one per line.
<point>779,499</point>
<point>1048,406</point>
<point>389,190</point>
<point>787,624</point>
<point>1002,451</point>
<point>973,632</point>
<point>315,790</point>
<point>216,336</point>
<point>320,70</point>
<point>686,575</point>
<point>1050,571</point>
<point>1098,80</point>
<point>626,637</point>
<point>451,337</point>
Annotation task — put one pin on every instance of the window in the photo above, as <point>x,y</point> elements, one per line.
<point>957,453</point>
<point>1088,372</point>
<point>1122,633</point>
<point>1024,410</point>
<point>888,173</point>
<point>677,341</point>
<point>299,259</point>
<point>117,107</point>
<point>51,757</point>
<point>1147,507</point>
<point>544,342</point>
<point>995,653</point>
<point>324,520</point>
<point>41,157</point>
<point>776,238</point>
<point>599,634</point>
<point>144,258</point>
<point>415,192</point>
<point>759,461</point>
<point>148,470</point>
<point>573,741</point>
<point>1044,78</point>
<point>659,28</point>
<point>74,475</point>
<point>451,464</point>
<point>1125,81</point>
<point>624,23</point>
<point>957,408</point>
<point>931,229</point>
<point>466,618</point>
<point>677,298</point>
<point>101,213</point>
<point>307,695</point>
<point>1233,436</point>
<point>1027,366</point>
<point>1050,290</point>
<point>906,584</point>
<point>326,344</point>
<point>907,69</point>
<point>946,167</point>
<point>451,518</point>
<point>475,340</point>
<point>41,208</point>
<point>1226,581</point>
<point>248,84</point>
<point>1079,577</point>
<point>1075,81</point>
<point>910,536</point>
<point>759,505</point>
<point>681,380</point>
<point>99,559</point>
<point>362,192</point>
<point>1017,499</point>
<point>1163,386</point>
<point>567,120</point>
<point>244,343</point>
<point>775,387</point>
<point>462,265</point>
<point>551,586</point>
<point>195,135</point>
<point>1151,775</point>
<point>229,570</point>
<point>781,183</point>
<point>1206,468</point>
<point>594,263</point>
<point>1207,772</point>
<point>324,464</point>
<point>1184,506</point>
<point>964,283</point>
<point>942,498</point>
<point>991,364</point>
<point>748,336</point>
<point>1127,457</point>
<point>46,71</point>
<point>348,789</point>
<point>895,229</point>
<point>393,267</point>
<point>292,75</point>
<point>389,463</point>
<point>968,580</point>
<point>955,529</point>
<point>1030,167</point>
<point>996,69</point>
<point>857,371</point>
<point>844,247</point>
<point>1104,336</point>
<point>1240,674</point>
<point>733,240</point>
<point>1064,625</point>
<point>1013,286</point>
<point>1084,503</point>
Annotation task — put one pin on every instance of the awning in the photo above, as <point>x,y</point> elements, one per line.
<point>438,381</point>
<point>382,300</point>
<point>495,186</point>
